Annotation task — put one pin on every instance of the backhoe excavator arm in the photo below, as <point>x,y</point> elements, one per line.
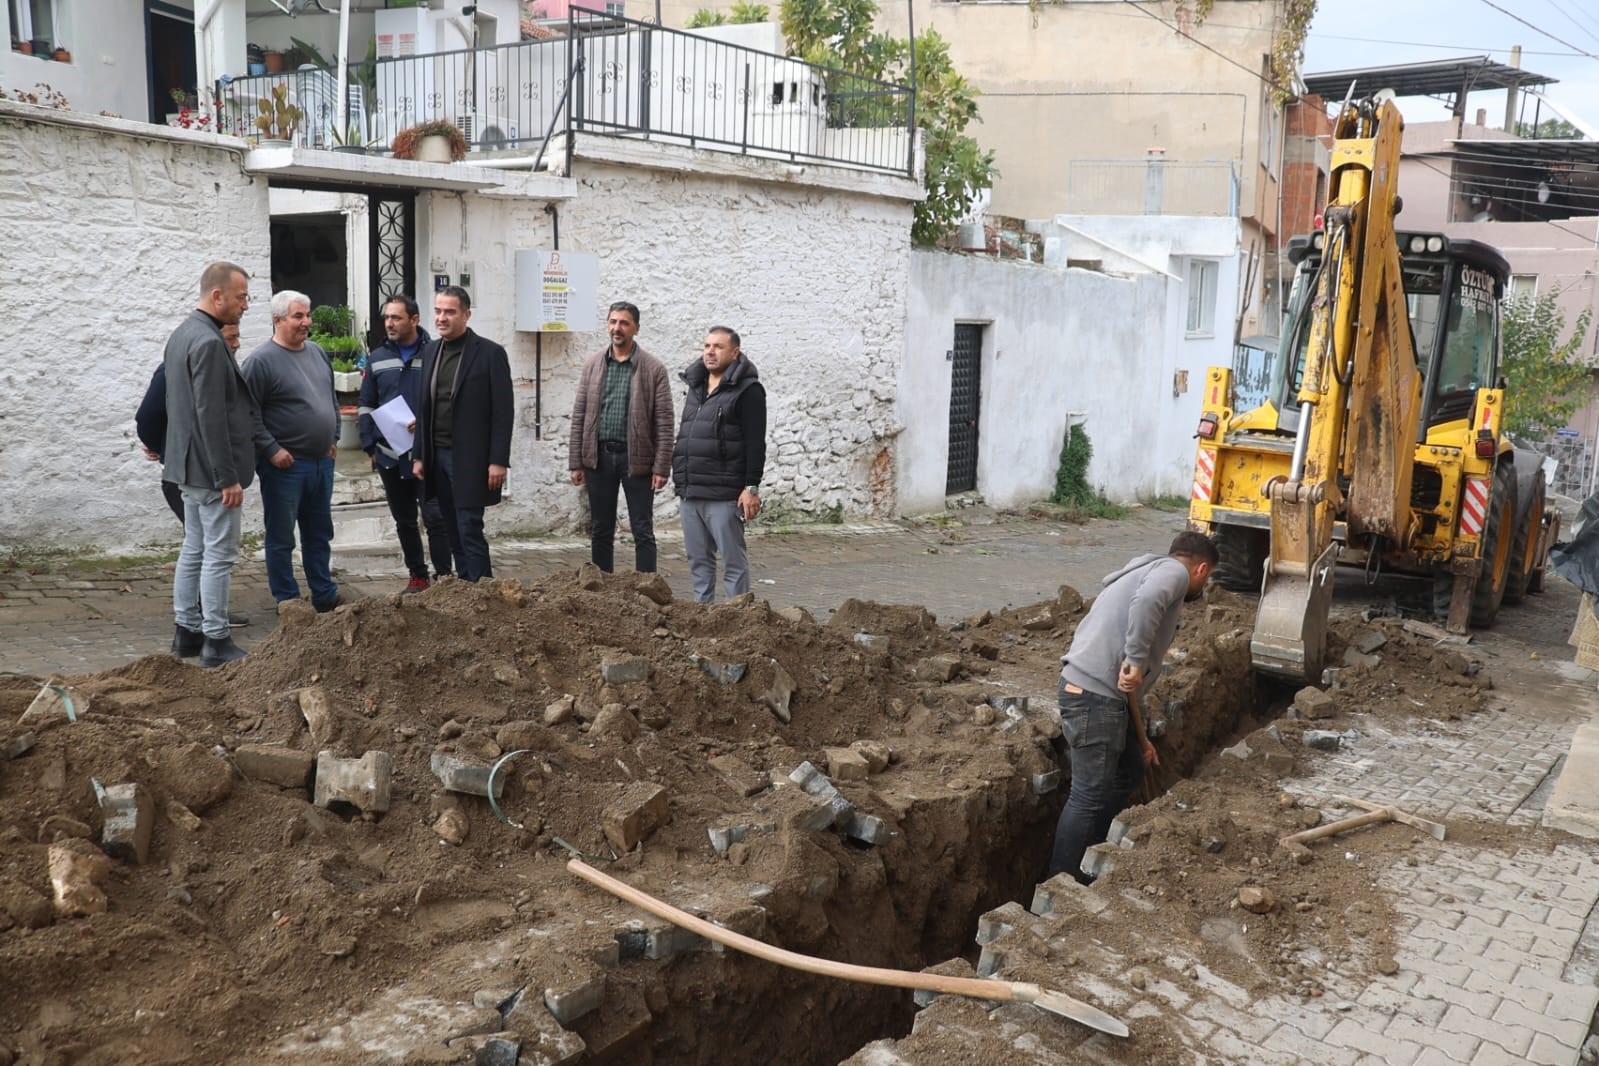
<point>1359,400</point>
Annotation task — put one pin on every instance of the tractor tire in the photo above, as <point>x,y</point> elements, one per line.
<point>1524,551</point>
<point>1242,566</point>
<point>1498,537</point>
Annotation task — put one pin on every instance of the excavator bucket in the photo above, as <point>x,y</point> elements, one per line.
<point>1290,638</point>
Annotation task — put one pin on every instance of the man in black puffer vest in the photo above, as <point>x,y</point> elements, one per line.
<point>718,462</point>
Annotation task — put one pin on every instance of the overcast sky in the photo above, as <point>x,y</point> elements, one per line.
<point>1364,33</point>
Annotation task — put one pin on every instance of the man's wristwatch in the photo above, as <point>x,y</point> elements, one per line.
<point>753,490</point>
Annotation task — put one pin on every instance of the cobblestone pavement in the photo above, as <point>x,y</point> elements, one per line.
<point>1498,949</point>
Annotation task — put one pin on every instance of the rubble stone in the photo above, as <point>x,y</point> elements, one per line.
<point>877,754</point>
<point>781,693</point>
<point>560,711</point>
<point>939,668</point>
<point>640,810</point>
<point>626,670</point>
<point>458,775</point>
<point>1315,704</point>
<point>744,779</point>
<point>653,587</point>
<point>1256,900</point>
<point>796,614</point>
<point>129,813</point>
<point>867,828</point>
<point>76,869</point>
<point>318,714</point>
<point>722,673</point>
<point>846,764</point>
<point>275,764</point>
<point>363,783</point>
<point>1323,739</point>
<point>615,720</point>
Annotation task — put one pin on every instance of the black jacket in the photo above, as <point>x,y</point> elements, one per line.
<point>721,444</point>
<point>481,424</point>
<point>386,377</point>
<point>151,419</point>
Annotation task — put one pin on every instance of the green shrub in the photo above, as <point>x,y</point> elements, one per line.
<point>334,320</point>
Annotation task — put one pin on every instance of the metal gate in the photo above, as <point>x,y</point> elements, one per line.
<point>965,397</point>
<point>393,258</point>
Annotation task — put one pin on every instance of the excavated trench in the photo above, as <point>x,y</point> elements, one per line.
<point>411,935</point>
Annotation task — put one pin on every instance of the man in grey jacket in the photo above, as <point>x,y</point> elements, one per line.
<point>293,383</point>
<point>209,453</point>
<point>1115,657</point>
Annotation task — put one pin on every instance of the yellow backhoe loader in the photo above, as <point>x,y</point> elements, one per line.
<point>1381,443</point>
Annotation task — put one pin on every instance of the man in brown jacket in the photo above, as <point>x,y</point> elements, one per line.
<point>622,437</point>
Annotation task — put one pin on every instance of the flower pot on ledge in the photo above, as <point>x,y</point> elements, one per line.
<point>433,150</point>
<point>61,55</point>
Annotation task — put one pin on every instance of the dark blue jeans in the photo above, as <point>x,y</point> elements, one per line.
<point>465,524</point>
<point>1107,764</point>
<point>602,483</point>
<point>406,498</point>
<point>301,495</point>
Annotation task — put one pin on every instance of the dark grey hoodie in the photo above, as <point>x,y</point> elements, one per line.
<point>1134,619</point>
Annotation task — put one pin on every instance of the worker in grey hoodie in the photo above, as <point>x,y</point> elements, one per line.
<point>1116,652</point>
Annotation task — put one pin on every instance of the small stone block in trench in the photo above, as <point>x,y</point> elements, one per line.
<point>1119,827</point>
<point>867,828</point>
<point>566,1001</point>
<point>129,812</point>
<point>1323,739</point>
<point>956,967</point>
<point>1046,782</point>
<point>458,775</point>
<point>725,836</point>
<point>1064,894</point>
<point>990,959</point>
<point>1100,859</point>
<point>627,670</point>
<point>1370,641</point>
<point>275,764</point>
<point>642,809</point>
<point>740,774</point>
<point>622,1019</point>
<point>363,783</point>
<point>809,778</point>
<point>1009,703</point>
<point>1315,704</point>
<point>846,764</point>
<point>662,941</point>
<point>999,921</point>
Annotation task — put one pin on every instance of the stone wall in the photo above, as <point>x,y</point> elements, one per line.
<point>109,224</point>
<point>814,278</point>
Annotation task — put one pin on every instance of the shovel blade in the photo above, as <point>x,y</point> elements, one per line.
<point>1078,1011</point>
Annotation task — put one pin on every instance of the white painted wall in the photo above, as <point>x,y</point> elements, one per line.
<point>124,216</point>
<point>107,71</point>
<point>814,279</point>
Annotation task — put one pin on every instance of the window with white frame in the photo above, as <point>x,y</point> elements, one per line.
<point>34,20</point>
<point>1523,285</point>
<point>1202,297</point>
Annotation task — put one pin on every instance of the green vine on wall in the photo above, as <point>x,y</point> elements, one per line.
<point>1287,46</point>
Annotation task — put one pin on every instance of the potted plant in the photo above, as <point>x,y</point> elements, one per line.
<point>437,140</point>
<point>255,59</point>
<point>272,59</point>
<point>184,98</point>
<point>25,47</point>
<point>61,55</point>
<point>278,120</point>
<point>352,141</point>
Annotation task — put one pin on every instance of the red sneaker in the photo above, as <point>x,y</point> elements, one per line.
<point>416,584</point>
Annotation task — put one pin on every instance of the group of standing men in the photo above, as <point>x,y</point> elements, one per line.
<point>622,441</point>
<point>217,425</point>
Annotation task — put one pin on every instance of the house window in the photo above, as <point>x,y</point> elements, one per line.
<point>34,20</point>
<point>1523,285</point>
<point>1201,297</point>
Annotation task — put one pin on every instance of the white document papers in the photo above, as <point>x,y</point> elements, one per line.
<point>394,420</point>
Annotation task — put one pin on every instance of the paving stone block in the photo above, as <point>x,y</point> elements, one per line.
<point>363,783</point>
<point>1313,703</point>
<point>129,813</point>
<point>722,673</point>
<point>566,1002</point>
<point>867,828</point>
<point>545,1042</point>
<point>956,967</point>
<point>1100,859</point>
<point>663,940</point>
<point>999,921</point>
<point>275,764</point>
<point>812,780</point>
<point>624,670</point>
<point>1063,894</point>
<point>725,836</point>
<point>846,764</point>
<point>642,808</point>
<point>459,775</point>
<point>1045,783</point>
<point>621,1019</point>
<point>938,668</point>
<point>1322,739</point>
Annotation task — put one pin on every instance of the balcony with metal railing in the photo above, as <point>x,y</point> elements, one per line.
<point>607,76</point>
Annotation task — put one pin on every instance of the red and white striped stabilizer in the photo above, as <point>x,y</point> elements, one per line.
<point>1204,475</point>
<point>1474,506</point>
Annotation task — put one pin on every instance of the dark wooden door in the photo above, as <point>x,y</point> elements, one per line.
<point>965,398</point>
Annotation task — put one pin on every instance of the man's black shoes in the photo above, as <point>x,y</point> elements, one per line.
<point>186,643</point>
<point>219,651</point>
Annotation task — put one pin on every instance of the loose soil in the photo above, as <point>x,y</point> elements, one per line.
<point>266,929</point>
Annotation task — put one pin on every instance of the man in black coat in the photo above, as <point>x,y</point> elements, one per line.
<point>463,428</point>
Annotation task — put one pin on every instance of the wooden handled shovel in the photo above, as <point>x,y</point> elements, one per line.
<point>975,987</point>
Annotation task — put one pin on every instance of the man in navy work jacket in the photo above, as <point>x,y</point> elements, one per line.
<point>463,428</point>
<point>718,462</point>
<point>395,370</point>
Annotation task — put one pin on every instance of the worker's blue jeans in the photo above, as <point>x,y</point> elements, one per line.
<point>1107,764</point>
<point>299,495</point>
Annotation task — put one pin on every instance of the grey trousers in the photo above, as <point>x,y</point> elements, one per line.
<point>711,526</point>
<point>204,574</point>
